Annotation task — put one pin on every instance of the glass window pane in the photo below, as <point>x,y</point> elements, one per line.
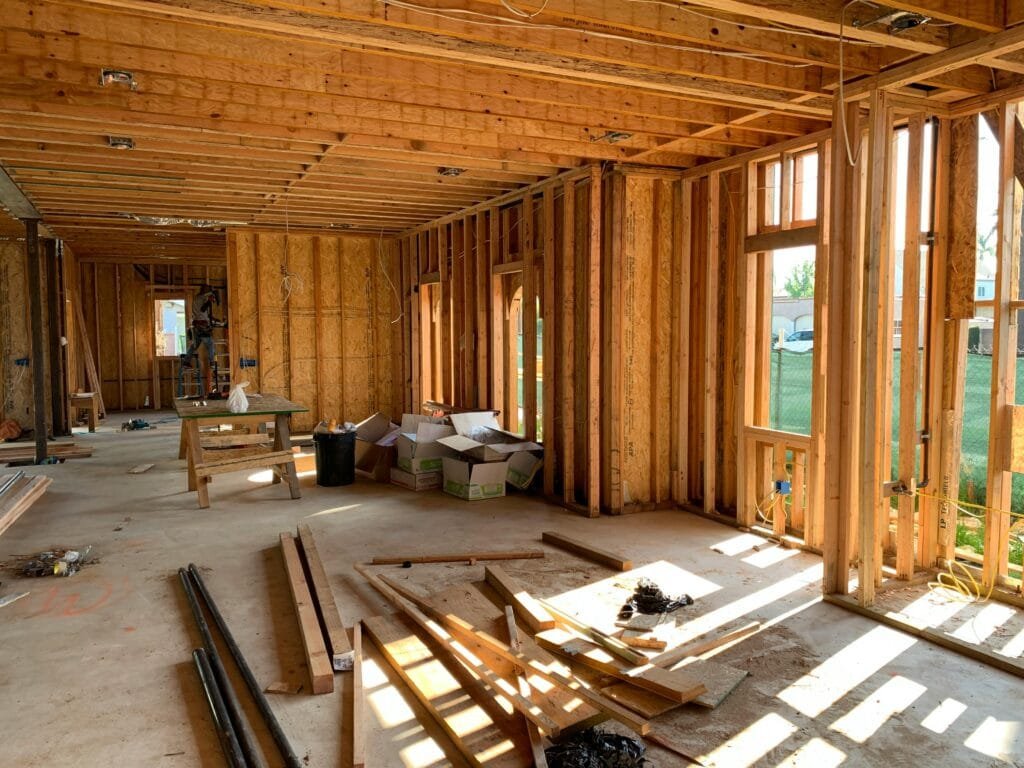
<point>169,317</point>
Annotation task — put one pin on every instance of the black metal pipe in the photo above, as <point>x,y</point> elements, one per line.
<point>246,738</point>
<point>58,396</point>
<point>38,356</point>
<point>291,761</point>
<point>221,721</point>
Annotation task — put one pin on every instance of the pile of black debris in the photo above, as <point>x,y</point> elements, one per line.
<point>594,748</point>
<point>649,599</point>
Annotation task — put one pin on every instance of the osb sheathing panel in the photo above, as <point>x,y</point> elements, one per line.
<point>647,254</point>
<point>15,338</point>
<point>315,312</point>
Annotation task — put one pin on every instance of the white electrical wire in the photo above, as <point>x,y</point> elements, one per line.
<point>455,14</point>
<point>384,271</point>
<point>850,157</point>
<point>512,9</point>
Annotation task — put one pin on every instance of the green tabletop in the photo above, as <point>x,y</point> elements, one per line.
<point>259,405</point>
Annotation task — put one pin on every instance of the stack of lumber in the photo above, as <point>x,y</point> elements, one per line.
<point>18,492</point>
<point>532,674</point>
<point>27,451</point>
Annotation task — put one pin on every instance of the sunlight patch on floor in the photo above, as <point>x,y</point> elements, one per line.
<point>737,544</point>
<point>333,510</point>
<point>980,627</point>
<point>996,738</point>
<point>770,556</point>
<point>892,697</point>
<point>752,743</point>
<point>944,715</point>
<point>816,753</point>
<point>1015,647</point>
<point>835,677</point>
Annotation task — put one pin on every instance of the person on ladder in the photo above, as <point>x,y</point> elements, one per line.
<point>201,334</point>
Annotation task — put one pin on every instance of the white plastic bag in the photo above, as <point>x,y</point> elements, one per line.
<point>237,401</point>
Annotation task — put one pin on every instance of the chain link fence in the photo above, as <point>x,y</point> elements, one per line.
<point>791,381</point>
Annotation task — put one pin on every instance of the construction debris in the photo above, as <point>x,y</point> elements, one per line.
<point>649,599</point>
<point>57,562</point>
<point>594,748</point>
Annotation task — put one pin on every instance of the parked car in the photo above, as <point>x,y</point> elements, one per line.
<point>807,334</point>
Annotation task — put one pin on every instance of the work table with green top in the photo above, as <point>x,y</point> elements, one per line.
<point>244,446</point>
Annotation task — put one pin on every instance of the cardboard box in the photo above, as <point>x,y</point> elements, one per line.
<point>474,481</point>
<point>375,447</point>
<point>479,437</point>
<point>417,446</point>
<point>422,481</point>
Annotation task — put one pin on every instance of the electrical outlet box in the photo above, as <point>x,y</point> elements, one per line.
<point>783,487</point>
<point>22,361</point>
<point>246,362</point>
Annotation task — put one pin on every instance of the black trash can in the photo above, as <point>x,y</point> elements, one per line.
<point>335,458</point>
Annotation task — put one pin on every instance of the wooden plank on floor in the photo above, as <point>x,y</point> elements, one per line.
<point>358,705</point>
<point>334,630</point>
<point>464,721</point>
<point>587,551</point>
<point>540,760</point>
<point>321,673</point>
<point>22,494</point>
<point>469,604</point>
<point>533,614</point>
<point>458,557</point>
<point>138,469</point>
<point>678,685</point>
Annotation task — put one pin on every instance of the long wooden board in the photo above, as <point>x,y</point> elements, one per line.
<point>466,723</point>
<point>334,630</point>
<point>552,673</point>
<point>533,614</point>
<point>468,603</point>
<point>358,705</point>
<point>21,495</point>
<point>587,551</point>
<point>321,674</point>
<point>533,733</point>
<point>458,557</point>
<point>677,686</point>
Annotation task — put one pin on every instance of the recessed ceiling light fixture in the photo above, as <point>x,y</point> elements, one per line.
<point>613,136</point>
<point>445,170</point>
<point>121,142</point>
<point>896,21</point>
<point>117,77</point>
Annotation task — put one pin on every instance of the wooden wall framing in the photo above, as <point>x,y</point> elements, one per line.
<point>320,315</point>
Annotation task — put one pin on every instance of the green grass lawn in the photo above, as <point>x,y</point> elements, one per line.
<point>790,410</point>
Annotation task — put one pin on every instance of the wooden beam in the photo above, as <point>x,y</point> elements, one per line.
<point>584,550</point>
<point>334,630</point>
<point>909,350</point>
<point>594,345</point>
<point>540,759</point>
<point>358,704</point>
<point>512,592</point>
<point>398,594</point>
<point>873,331</point>
<point>712,259</point>
<point>318,661</point>
<point>988,47</point>
<point>459,557</point>
<point>785,238</point>
<point>1004,345</point>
